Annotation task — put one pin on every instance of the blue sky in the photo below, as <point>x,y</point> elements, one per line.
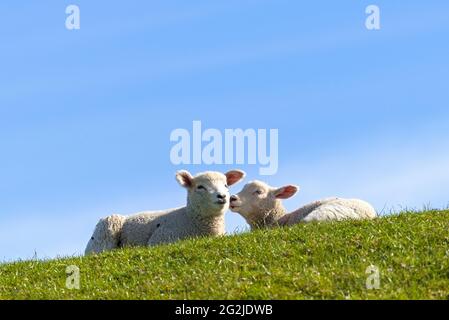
<point>86,115</point>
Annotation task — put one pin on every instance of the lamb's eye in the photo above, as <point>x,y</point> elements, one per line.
<point>227,187</point>
<point>258,192</point>
<point>201,188</point>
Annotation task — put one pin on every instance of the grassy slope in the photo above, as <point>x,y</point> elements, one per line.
<point>313,261</point>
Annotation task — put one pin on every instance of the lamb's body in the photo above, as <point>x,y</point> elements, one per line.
<point>153,228</point>
<point>335,209</point>
<point>261,206</point>
<point>203,216</point>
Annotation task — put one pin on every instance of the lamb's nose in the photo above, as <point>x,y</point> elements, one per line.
<point>221,196</point>
<point>233,198</point>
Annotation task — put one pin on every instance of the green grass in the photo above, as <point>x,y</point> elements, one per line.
<point>313,261</point>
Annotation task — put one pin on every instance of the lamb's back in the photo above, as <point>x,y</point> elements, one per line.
<point>330,209</point>
<point>342,209</point>
<point>301,213</point>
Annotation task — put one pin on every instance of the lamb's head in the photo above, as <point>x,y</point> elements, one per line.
<point>208,192</point>
<point>261,204</point>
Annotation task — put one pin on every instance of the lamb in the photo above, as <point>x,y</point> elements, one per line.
<point>207,202</point>
<point>261,206</point>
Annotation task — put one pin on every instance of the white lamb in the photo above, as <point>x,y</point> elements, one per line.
<point>207,202</point>
<point>261,206</point>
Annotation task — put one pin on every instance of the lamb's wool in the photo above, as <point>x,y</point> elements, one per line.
<point>106,235</point>
<point>330,209</point>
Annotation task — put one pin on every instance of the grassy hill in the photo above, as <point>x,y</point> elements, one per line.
<point>314,261</point>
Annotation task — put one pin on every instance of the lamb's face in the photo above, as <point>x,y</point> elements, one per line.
<point>257,199</point>
<point>209,191</point>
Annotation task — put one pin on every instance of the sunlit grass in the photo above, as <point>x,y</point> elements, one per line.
<point>313,261</point>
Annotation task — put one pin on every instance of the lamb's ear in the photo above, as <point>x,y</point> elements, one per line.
<point>286,192</point>
<point>234,176</point>
<point>184,178</point>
